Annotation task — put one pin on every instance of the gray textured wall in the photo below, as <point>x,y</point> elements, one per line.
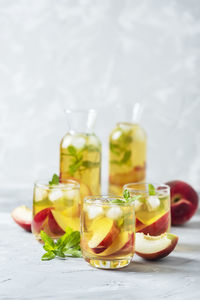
<point>59,54</point>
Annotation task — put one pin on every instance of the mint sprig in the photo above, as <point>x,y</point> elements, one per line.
<point>67,245</point>
<point>152,190</point>
<point>78,163</point>
<point>125,159</point>
<point>55,180</point>
<point>119,147</point>
<point>126,198</point>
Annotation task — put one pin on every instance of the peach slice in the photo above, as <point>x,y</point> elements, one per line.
<point>155,247</point>
<point>129,246</point>
<point>53,225</point>
<point>39,219</point>
<point>158,227</point>
<point>135,175</point>
<point>105,231</point>
<point>119,243</point>
<point>22,215</point>
<point>139,225</point>
<point>64,221</point>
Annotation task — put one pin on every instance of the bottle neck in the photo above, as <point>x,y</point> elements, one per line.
<point>81,121</point>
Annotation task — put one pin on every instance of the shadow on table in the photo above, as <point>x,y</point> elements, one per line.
<point>191,225</point>
<point>168,265</point>
<point>182,247</point>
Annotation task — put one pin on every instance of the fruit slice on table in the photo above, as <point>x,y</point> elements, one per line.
<point>156,228</point>
<point>53,225</point>
<point>105,231</point>
<point>22,215</point>
<point>155,247</point>
<point>39,220</point>
<point>64,221</point>
<point>121,242</point>
<point>184,201</point>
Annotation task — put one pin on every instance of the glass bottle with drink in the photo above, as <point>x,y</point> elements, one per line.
<point>80,152</point>
<point>127,153</point>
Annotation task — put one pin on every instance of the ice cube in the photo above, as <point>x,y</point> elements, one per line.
<point>55,195</point>
<point>71,194</point>
<point>116,135</point>
<point>40,194</point>
<point>114,212</point>
<point>94,211</point>
<point>67,140</point>
<point>152,203</point>
<point>93,140</point>
<point>78,142</point>
<point>138,204</point>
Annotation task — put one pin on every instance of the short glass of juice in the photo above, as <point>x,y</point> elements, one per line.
<point>152,207</point>
<point>55,207</point>
<point>107,232</point>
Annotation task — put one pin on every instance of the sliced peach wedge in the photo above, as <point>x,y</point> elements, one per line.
<point>44,217</point>
<point>122,242</point>
<point>53,225</point>
<point>64,221</point>
<point>22,215</point>
<point>105,231</point>
<point>156,228</point>
<point>39,220</point>
<point>155,247</point>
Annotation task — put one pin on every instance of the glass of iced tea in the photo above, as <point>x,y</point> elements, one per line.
<point>152,208</point>
<point>55,206</point>
<point>107,231</point>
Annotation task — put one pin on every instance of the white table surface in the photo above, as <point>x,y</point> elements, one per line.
<point>24,276</point>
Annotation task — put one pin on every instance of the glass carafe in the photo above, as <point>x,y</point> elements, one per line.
<point>80,152</point>
<point>127,153</point>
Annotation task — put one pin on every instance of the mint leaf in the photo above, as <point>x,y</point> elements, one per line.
<point>47,240</point>
<point>126,194</point>
<point>133,198</point>
<point>152,190</point>
<point>115,148</point>
<point>72,150</point>
<point>126,157</point>
<point>55,180</point>
<point>67,245</point>
<point>89,164</point>
<point>72,240</point>
<point>48,256</point>
<point>62,239</point>
<point>126,198</point>
<point>73,253</point>
<point>48,248</point>
<point>77,159</point>
<point>118,201</point>
<point>59,253</point>
<point>74,167</point>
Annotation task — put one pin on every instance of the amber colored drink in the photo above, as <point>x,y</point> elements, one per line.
<point>55,207</point>
<point>152,211</point>
<point>127,156</point>
<point>80,159</point>
<point>107,232</point>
